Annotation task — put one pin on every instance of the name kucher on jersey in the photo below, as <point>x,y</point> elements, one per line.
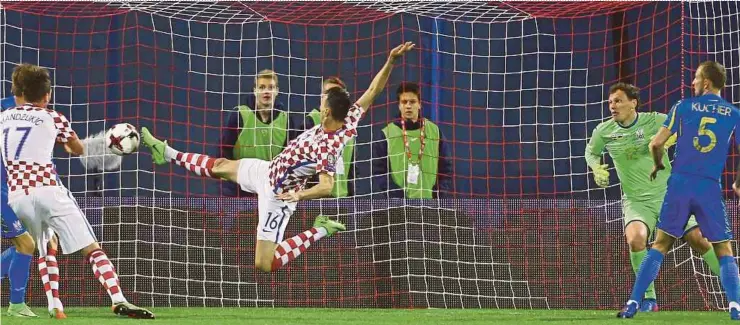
<point>711,108</point>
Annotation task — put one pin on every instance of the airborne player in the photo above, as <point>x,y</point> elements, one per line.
<point>280,183</point>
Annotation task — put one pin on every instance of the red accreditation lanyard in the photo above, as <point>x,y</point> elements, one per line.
<point>406,140</point>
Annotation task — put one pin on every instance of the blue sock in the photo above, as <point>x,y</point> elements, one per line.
<point>7,256</point>
<point>20,269</point>
<point>728,275</point>
<point>648,273</point>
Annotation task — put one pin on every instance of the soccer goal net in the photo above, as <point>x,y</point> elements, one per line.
<point>512,217</point>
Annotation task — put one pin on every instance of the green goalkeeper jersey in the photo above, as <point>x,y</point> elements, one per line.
<point>628,147</point>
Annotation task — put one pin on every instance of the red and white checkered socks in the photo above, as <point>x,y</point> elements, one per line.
<point>293,247</point>
<point>201,165</point>
<point>49,271</point>
<point>106,274</point>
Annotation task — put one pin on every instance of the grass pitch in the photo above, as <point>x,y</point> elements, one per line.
<point>304,316</point>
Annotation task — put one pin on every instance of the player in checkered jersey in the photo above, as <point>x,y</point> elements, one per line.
<point>280,183</point>
<point>35,193</point>
<point>47,264</point>
<point>16,260</point>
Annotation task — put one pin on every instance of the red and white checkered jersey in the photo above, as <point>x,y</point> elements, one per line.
<point>27,143</point>
<point>314,151</point>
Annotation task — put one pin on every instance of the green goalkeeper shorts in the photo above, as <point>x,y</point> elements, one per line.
<point>648,213</point>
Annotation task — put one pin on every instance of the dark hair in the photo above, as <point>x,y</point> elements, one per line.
<point>336,81</point>
<point>337,99</point>
<point>630,90</point>
<point>30,82</point>
<point>408,87</point>
<point>715,72</point>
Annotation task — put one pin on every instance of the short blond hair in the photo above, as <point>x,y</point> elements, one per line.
<point>266,74</point>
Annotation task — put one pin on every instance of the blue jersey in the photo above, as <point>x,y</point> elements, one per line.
<point>704,125</point>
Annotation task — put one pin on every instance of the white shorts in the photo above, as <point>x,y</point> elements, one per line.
<point>274,214</point>
<point>52,209</point>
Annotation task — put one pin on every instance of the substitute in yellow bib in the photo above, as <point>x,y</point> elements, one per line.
<point>410,157</point>
<point>260,128</point>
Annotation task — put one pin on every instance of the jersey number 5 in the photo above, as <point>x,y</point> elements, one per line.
<point>703,131</point>
<point>25,131</point>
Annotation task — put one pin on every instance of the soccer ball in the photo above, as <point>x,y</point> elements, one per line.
<point>122,139</point>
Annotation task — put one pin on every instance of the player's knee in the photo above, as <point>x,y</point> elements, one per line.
<point>25,244</point>
<point>636,233</point>
<point>263,264</point>
<point>723,249</point>
<point>637,243</point>
<point>696,241</point>
<point>663,243</point>
<point>89,249</point>
<point>54,243</point>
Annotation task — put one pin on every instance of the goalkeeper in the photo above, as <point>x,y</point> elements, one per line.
<point>626,137</point>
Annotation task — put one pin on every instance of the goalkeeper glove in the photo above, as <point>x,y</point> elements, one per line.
<point>601,175</point>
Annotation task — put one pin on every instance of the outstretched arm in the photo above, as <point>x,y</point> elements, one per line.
<point>381,79</point>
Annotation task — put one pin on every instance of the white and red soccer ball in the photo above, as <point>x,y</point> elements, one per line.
<point>122,139</point>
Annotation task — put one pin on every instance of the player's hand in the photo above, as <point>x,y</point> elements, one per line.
<point>656,169</point>
<point>601,175</point>
<point>289,196</point>
<point>400,50</point>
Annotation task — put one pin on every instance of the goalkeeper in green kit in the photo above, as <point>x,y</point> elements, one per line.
<point>626,137</point>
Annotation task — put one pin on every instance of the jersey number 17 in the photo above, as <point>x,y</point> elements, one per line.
<point>25,130</point>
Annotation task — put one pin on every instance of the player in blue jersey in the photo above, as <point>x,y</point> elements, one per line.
<point>704,125</point>
<point>16,260</point>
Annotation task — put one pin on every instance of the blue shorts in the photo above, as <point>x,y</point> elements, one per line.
<point>699,196</point>
<point>12,227</point>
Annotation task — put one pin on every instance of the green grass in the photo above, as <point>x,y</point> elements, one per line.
<point>303,316</point>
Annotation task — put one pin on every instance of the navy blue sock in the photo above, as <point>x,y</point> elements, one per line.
<point>728,276</point>
<point>7,256</point>
<point>648,273</point>
<point>20,269</point>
